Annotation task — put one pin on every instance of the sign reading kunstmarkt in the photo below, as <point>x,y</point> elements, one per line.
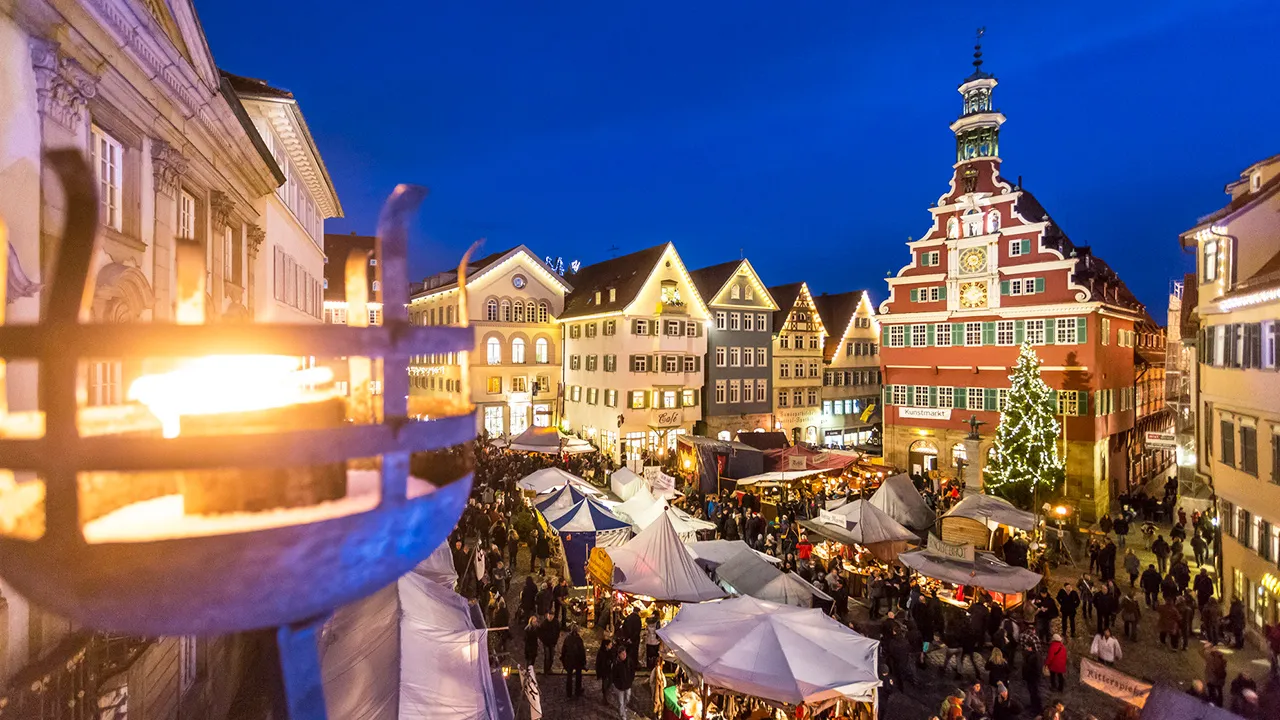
<point>916,413</point>
<point>1161,440</point>
<point>1114,683</point>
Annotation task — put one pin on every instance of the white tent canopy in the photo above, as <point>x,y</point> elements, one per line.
<point>624,483</point>
<point>992,511</point>
<point>899,499</point>
<point>779,476</point>
<point>749,574</point>
<point>861,523</point>
<point>711,553</point>
<point>549,440</point>
<point>410,651</point>
<point>986,571</point>
<point>774,652</point>
<point>643,509</point>
<point>655,563</point>
<point>553,478</point>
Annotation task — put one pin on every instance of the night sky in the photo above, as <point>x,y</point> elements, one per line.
<point>810,136</point>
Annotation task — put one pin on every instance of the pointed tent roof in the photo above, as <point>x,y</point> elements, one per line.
<point>899,499</point>
<point>587,516</point>
<point>553,478</point>
<point>775,652</point>
<point>710,553</point>
<point>986,571</point>
<point>750,574</point>
<point>989,508</point>
<point>643,509</point>
<point>655,563</point>
<point>549,440</point>
<point>866,525</point>
<point>560,502</point>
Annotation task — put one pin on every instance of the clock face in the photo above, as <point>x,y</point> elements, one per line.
<point>973,295</point>
<point>519,282</point>
<point>973,260</point>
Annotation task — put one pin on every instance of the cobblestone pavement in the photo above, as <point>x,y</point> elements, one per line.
<point>1145,659</point>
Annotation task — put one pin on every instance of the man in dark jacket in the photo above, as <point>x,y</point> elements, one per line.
<point>1107,561</point>
<point>1235,620</point>
<point>1068,604</point>
<point>604,664</point>
<point>1204,587</point>
<point>549,636</point>
<point>1031,671</point>
<point>1160,548</point>
<point>1121,527</point>
<point>631,628</point>
<point>623,676</point>
<point>573,656</point>
<point>1150,583</point>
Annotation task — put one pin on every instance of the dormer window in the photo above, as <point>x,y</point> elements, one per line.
<point>1255,181</point>
<point>613,294</point>
<point>597,297</point>
<point>671,293</point>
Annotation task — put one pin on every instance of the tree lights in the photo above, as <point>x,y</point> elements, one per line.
<point>1025,456</point>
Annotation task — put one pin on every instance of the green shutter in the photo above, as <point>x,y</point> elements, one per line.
<point>942,293</point>
<point>1082,403</point>
<point>961,396</point>
<point>911,395</point>
<point>886,394</point>
<point>1082,330</point>
<point>1050,331</point>
<point>915,294</point>
<point>929,336</point>
<point>933,397</point>
<point>1019,331</point>
<point>988,333</point>
<point>884,336</point>
<point>989,399</point>
<point>1026,247</point>
<point>957,334</point>
<point>1053,398</point>
<point>1039,285</point>
<point>1004,287</point>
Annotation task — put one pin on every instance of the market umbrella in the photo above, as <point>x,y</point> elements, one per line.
<point>774,652</point>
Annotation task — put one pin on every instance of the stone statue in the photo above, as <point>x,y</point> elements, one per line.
<point>974,423</point>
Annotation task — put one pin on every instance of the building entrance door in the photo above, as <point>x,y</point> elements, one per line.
<point>922,457</point>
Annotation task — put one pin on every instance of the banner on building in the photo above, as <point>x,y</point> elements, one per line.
<point>1161,440</point>
<point>1113,682</point>
<point>918,413</point>
<point>952,550</point>
<point>866,414</point>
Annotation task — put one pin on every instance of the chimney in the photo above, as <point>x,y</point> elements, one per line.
<point>1019,182</point>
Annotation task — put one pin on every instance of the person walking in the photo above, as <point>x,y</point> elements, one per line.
<point>1160,548</point>
<point>1151,586</point>
<point>1169,624</point>
<point>1121,528</point>
<point>1068,604</point>
<point>531,642</point>
<point>1106,648</point>
<point>573,657</point>
<point>1056,660</point>
<point>604,665</point>
<point>1107,561</point>
<point>1203,585</point>
<point>1235,622</point>
<point>623,676</point>
<point>1215,675</point>
<point>1211,621</point>
<point>549,635</point>
<point>1085,587</point>
<point>1186,617</point>
<point>651,642</point>
<point>1199,548</point>
<point>630,635</point>
<point>1132,566</point>
<point>997,668</point>
<point>1032,668</point>
<point>1130,614</point>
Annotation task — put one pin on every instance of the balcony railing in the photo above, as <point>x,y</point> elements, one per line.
<point>65,684</point>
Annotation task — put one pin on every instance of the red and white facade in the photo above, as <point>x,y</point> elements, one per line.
<point>992,271</point>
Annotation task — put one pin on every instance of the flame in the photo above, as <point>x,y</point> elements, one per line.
<point>219,384</point>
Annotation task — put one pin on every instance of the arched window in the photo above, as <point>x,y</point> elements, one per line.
<point>531,311</point>
<point>493,351</point>
<point>734,292</point>
<point>953,228</point>
<point>540,348</point>
<point>519,312</point>
<point>377,286</point>
<point>993,221</point>
<point>506,311</point>
<point>959,454</point>
<point>544,311</point>
<point>517,350</point>
<point>491,310</point>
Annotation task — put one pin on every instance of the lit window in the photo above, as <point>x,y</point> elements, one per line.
<point>540,350</point>
<point>108,164</point>
<point>1209,262</point>
<point>1068,403</point>
<point>493,351</point>
<point>669,398</point>
<point>495,385</point>
<point>688,398</point>
<point>517,351</point>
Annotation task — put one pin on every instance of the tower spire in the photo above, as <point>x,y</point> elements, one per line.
<point>978,128</point>
<point>977,51</point>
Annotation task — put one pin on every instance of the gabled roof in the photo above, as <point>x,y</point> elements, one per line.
<point>785,296</point>
<point>626,274</point>
<point>710,280</point>
<point>448,280</point>
<point>836,312</point>
<point>1091,271</point>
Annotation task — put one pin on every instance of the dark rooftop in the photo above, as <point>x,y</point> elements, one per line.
<point>625,274</point>
<point>709,280</point>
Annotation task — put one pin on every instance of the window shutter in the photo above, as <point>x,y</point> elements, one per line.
<point>1050,331</point>
<point>887,395</point>
<point>914,294</point>
<point>1053,397</point>
<point>1082,403</point>
<point>989,399</point>
<point>1019,331</point>
<point>1004,287</point>
<point>697,329</point>
<point>929,337</point>
<point>1082,330</point>
<point>957,334</point>
<point>1026,247</point>
<point>884,336</point>
<point>1039,285</point>
<point>911,394</point>
<point>933,397</point>
<point>655,327</point>
<point>961,396</point>
<point>942,293</point>
<point>988,333</point>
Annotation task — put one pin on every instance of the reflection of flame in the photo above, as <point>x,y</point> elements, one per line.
<point>229,383</point>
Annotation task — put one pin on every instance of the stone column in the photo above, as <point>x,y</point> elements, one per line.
<point>974,461</point>
<point>255,236</point>
<point>167,167</point>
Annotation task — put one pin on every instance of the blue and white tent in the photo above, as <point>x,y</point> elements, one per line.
<point>560,502</point>
<point>583,527</point>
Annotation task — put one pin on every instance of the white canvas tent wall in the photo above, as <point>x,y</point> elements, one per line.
<point>643,509</point>
<point>712,553</point>
<point>749,574</point>
<point>549,440</point>
<point>411,651</point>
<point>898,498</point>
<point>655,563</point>
<point>553,478</point>
<point>624,483</point>
<point>992,511</point>
<point>775,652</point>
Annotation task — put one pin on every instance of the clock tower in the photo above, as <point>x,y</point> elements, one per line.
<point>978,127</point>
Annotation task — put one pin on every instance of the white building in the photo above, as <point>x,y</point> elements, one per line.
<point>289,270</point>
<point>798,340</point>
<point>513,378</point>
<point>635,341</point>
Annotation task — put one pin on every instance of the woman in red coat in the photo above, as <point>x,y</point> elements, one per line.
<point>1056,661</point>
<point>804,548</point>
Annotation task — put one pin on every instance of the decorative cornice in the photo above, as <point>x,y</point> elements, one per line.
<point>306,163</point>
<point>256,237</point>
<point>63,87</point>
<point>135,37</point>
<point>220,207</point>
<point>168,165</point>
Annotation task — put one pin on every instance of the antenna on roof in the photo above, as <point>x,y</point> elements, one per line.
<point>613,251</point>
<point>977,50</point>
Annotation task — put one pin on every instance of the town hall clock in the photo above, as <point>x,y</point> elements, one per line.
<point>973,260</point>
<point>973,295</point>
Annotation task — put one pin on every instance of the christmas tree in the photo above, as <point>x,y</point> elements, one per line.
<point>1025,457</point>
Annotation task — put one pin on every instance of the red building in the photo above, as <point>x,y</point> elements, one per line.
<point>993,271</point>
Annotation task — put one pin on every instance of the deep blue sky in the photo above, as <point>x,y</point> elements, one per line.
<point>811,136</point>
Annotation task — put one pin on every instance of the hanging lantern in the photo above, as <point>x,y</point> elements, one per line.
<point>243,489</point>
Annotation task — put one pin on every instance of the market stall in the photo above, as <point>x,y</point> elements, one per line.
<point>713,553</point>
<point>985,521</point>
<point>863,524</point>
<point>744,651</point>
<point>957,579</point>
<point>749,574</point>
<point>709,459</point>
<point>547,440</point>
<point>551,479</point>
<point>643,509</point>
<point>624,483</point>
<point>582,528</point>
<point>772,488</point>
<point>900,500</point>
<point>560,501</point>
<point>656,564</point>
